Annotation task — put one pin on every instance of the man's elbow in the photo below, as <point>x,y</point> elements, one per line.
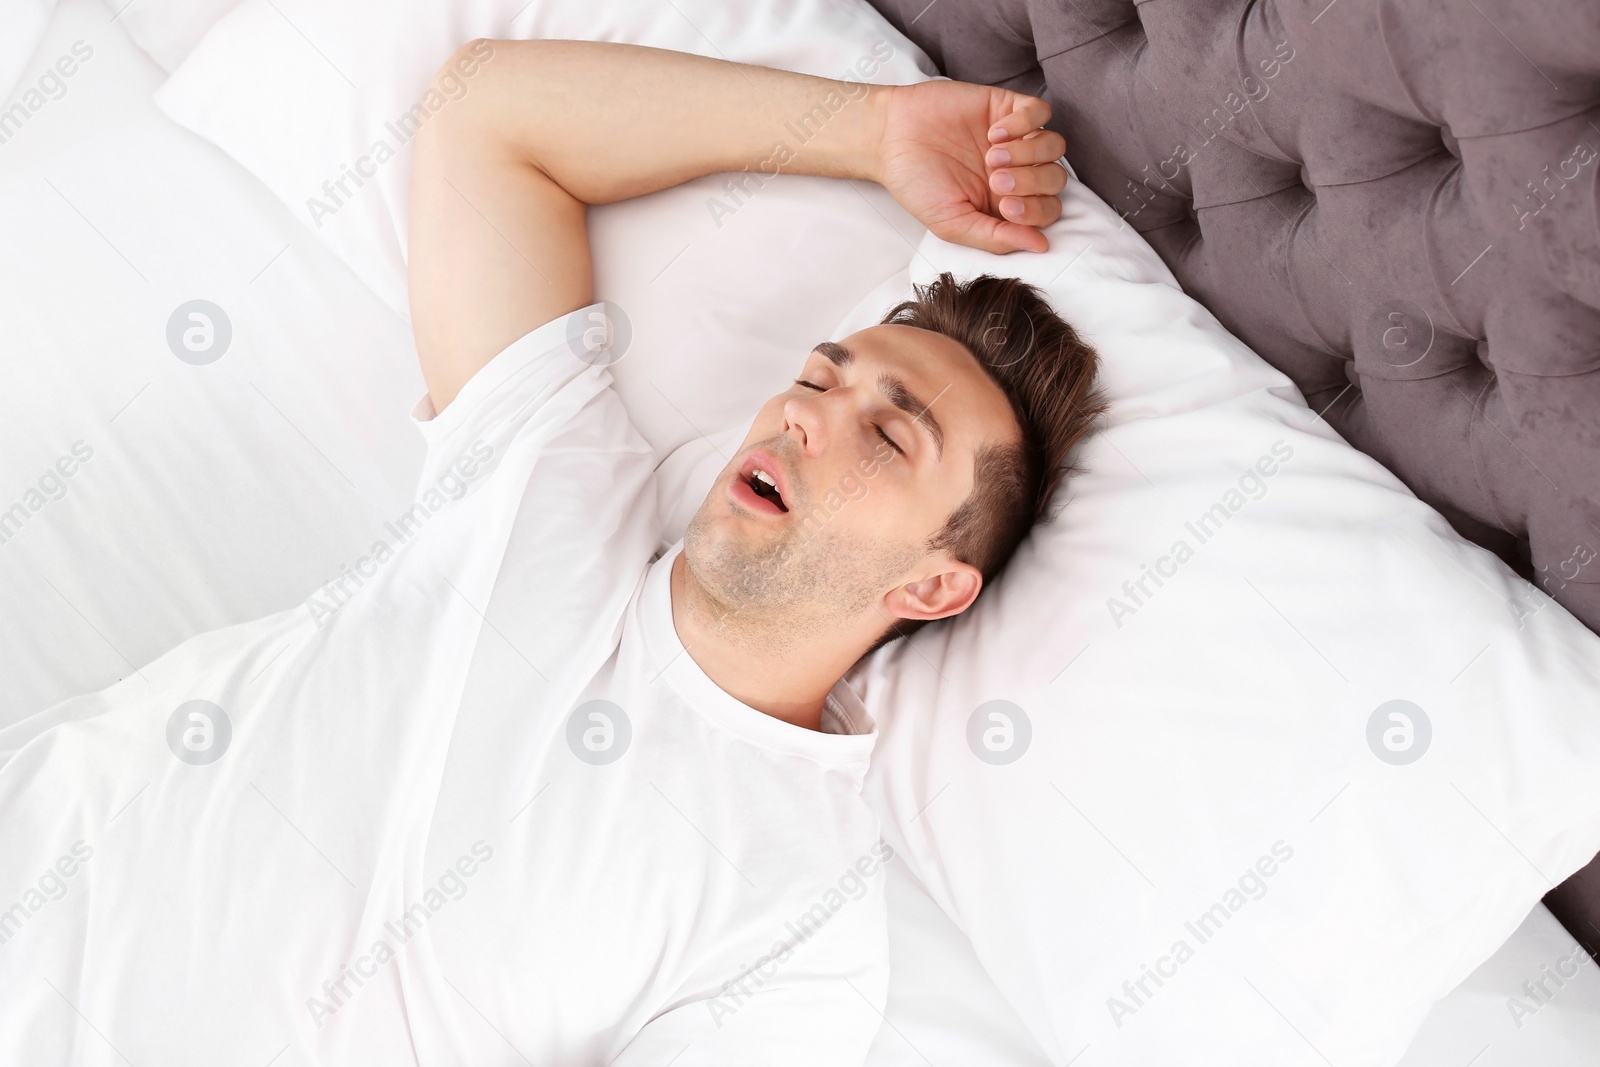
<point>454,79</point>
<point>455,93</point>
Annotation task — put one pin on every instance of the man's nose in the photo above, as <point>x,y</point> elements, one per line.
<point>808,418</point>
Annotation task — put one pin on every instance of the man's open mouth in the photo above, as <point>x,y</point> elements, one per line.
<point>765,486</point>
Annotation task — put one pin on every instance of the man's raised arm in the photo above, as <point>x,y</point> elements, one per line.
<point>502,176</point>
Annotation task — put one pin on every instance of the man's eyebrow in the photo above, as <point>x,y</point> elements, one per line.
<point>896,392</point>
<point>837,354</point>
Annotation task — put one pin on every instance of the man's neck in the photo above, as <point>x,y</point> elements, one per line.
<point>770,678</point>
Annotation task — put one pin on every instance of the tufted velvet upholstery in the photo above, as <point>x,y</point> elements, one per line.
<point>1396,204</point>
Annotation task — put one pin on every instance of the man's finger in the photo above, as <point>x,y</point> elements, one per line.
<point>1047,179</point>
<point>1018,238</point>
<point>1002,237</point>
<point>1040,146</point>
<point>1027,113</point>
<point>985,232</point>
<point>1030,210</point>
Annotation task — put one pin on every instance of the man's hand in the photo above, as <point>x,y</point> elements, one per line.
<point>972,163</point>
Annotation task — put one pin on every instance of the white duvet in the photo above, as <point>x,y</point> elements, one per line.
<point>479,804</point>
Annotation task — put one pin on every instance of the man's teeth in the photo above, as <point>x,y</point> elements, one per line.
<point>763,485</point>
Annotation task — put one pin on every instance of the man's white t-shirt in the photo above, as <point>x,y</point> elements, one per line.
<point>475,804</point>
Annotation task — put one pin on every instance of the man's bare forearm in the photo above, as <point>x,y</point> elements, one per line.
<point>610,121</point>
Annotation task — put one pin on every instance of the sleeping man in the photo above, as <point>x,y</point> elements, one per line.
<point>535,793</point>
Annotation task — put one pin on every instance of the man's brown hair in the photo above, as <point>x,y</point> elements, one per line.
<point>1048,373</point>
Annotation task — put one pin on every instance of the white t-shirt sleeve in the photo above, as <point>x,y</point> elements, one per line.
<point>535,474</point>
<point>531,387</point>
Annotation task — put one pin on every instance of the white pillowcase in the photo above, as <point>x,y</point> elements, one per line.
<point>300,91</point>
<point>168,30</point>
<point>1201,742</point>
<point>22,24</point>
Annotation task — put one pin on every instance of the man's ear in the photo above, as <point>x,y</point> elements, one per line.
<point>947,592</point>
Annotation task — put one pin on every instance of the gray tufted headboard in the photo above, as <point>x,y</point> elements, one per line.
<point>1396,204</point>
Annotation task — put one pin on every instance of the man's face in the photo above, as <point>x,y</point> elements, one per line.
<point>871,450</point>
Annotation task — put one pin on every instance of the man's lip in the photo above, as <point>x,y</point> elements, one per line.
<point>747,498</point>
<point>768,463</point>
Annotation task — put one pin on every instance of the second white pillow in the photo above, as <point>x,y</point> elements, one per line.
<point>320,101</point>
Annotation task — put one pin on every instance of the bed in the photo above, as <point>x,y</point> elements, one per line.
<point>292,452</point>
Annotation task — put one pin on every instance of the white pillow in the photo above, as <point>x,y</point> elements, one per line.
<point>300,91</point>
<point>24,22</point>
<point>168,30</point>
<point>1204,741</point>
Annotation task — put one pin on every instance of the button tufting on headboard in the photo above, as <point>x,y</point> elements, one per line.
<point>1395,204</point>
<point>1451,145</point>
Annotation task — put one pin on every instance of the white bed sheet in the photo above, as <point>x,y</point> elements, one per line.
<point>212,493</point>
<point>258,477</point>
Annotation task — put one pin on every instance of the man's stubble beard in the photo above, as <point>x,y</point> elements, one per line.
<point>828,580</point>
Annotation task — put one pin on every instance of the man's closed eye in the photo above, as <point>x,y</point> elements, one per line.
<point>886,438</point>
